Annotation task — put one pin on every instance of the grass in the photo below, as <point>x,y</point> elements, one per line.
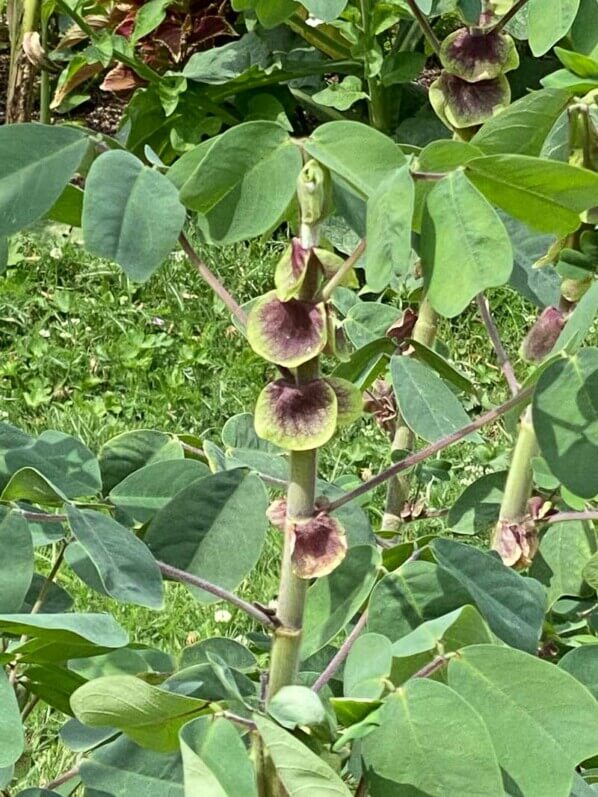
<point>85,352</point>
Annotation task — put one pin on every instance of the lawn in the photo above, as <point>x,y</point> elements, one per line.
<point>86,352</point>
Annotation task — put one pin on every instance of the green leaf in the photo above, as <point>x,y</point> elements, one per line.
<point>326,10</point>
<point>131,214</point>
<point>63,460</point>
<point>402,67</point>
<point>430,741</point>
<point>80,739</point>
<point>150,716</point>
<point>513,606</point>
<point>461,227</point>
<point>545,194</point>
<point>148,17</point>
<point>57,599</point>
<point>579,323</point>
<point>68,208</point>
<point>28,484</point>
<point>582,65</point>
<point>127,452</point>
<point>16,562</point>
<point>541,721</point>
<point>296,705</point>
<point>367,322</point>
<point>270,13</point>
<point>12,737</point>
<point>367,667</point>
<point>442,367</point>
<point>127,569</point>
<point>215,760</point>
<point>233,653</point>
<point>542,286</point>
<point>389,217</point>
<point>478,507</point>
<point>64,636</point>
<point>37,161</point>
<point>359,154</point>
<point>54,685</point>
<point>333,600</point>
<point>145,491</point>
<point>245,182</point>
<point>523,127</point>
<point>548,21</point>
<point>215,528</point>
<point>429,408</point>
<point>565,549</point>
<point>590,572</point>
<point>341,95</point>
<point>124,769</point>
<point>582,664</point>
<point>449,632</point>
<point>300,770</point>
<point>416,592</point>
<point>565,416</point>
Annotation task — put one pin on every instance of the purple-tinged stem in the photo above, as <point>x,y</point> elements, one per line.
<point>341,654</point>
<point>497,344</point>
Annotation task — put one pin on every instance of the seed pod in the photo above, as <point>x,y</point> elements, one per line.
<point>541,338</point>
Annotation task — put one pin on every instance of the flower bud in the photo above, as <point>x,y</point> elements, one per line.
<point>541,338</point>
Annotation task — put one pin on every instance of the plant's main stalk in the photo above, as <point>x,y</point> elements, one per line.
<point>301,491</point>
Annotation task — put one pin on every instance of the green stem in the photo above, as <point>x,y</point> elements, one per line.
<point>399,488</point>
<point>375,89</point>
<point>44,90</point>
<point>286,647</point>
<point>518,488</point>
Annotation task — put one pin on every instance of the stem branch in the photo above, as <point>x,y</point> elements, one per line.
<point>195,581</point>
<point>508,16</point>
<point>425,26</point>
<point>341,654</point>
<point>433,448</point>
<point>497,344</point>
<point>340,275</point>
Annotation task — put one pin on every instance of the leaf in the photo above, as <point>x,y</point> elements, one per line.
<point>341,95</point>
<point>225,512</point>
<point>127,569</point>
<point>582,65</point>
<point>16,562</point>
<point>565,417</point>
<point>12,737</point>
<point>478,507</point>
<point>326,10</point>
<point>63,460</point>
<point>145,491</point>
<point>565,549</point>
<point>37,163</point>
<point>359,154</point>
<point>542,286</point>
<point>443,367</point>
<point>124,769</point>
<point>461,227</point>
<point>582,664</point>
<point>579,323</point>
<point>416,592</point>
<point>548,21</point>
<point>148,17</point>
<point>429,408</point>
<point>296,705</point>
<point>127,452</point>
<point>150,716</point>
<point>541,721</point>
<point>430,741</point>
<point>334,600</point>
<point>449,632</point>
<point>590,572</point>
<point>57,599</point>
<point>389,217</point>
<point>215,760</point>
<point>368,322</point>
<point>545,194</point>
<point>28,484</point>
<point>300,770</point>
<point>80,739</point>
<point>131,214</point>
<point>236,655</point>
<point>513,606</point>
<point>244,183</point>
<point>523,127</point>
<point>52,636</point>
<point>367,667</point>
<point>68,208</point>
